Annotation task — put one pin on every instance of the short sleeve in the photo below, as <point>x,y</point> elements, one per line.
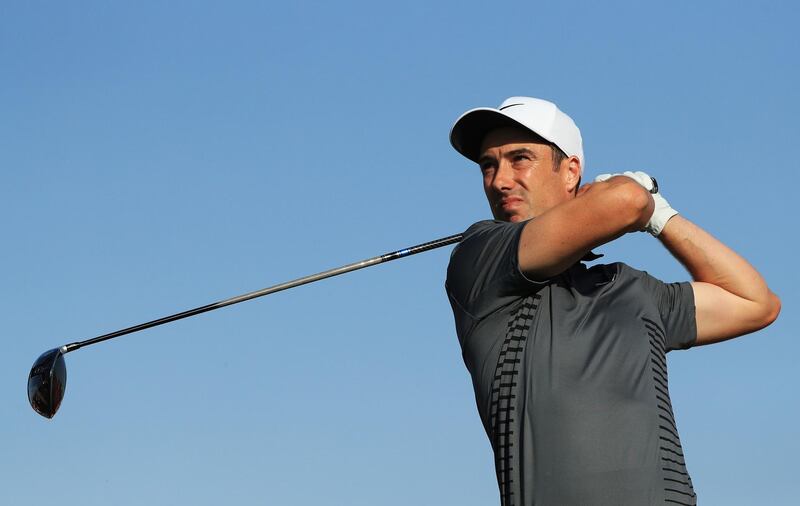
<point>484,272</point>
<point>675,304</point>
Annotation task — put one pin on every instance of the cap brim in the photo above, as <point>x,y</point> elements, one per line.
<point>469,130</point>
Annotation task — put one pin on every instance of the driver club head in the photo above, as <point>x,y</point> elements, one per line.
<point>47,382</point>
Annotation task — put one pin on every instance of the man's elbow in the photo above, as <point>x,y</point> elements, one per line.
<point>771,310</point>
<point>637,203</point>
<point>765,312</point>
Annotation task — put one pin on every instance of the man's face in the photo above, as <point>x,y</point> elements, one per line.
<point>519,179</point>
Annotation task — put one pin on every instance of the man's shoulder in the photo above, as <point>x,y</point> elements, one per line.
<point>484,237</point>
<point>483,273</point>
<point>490,230</point>
<point>485,226</point>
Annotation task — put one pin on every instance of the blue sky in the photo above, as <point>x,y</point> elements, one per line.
<point>156,156</point>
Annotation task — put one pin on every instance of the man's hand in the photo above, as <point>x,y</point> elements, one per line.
<point>663,211</point>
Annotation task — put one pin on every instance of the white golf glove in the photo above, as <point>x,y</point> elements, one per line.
<point>662,213</point>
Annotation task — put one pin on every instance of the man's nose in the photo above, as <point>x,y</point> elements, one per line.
<point>503,177</point>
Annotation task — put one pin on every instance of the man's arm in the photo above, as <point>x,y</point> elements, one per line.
<point>602,212</point>
<point>731,297</point>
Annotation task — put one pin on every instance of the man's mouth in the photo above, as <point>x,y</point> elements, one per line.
<point>510,203</point>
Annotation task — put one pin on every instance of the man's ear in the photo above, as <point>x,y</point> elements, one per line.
<point>572,176</point>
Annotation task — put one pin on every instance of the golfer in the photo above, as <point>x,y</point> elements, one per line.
<point>568,362</point>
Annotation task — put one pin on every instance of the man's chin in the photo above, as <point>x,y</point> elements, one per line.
<point>512,216</point>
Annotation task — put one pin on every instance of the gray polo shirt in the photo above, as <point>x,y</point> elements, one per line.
<point>570,374</point>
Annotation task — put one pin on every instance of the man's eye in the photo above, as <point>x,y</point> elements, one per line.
<point>520,158</point>
<point>486,167</point>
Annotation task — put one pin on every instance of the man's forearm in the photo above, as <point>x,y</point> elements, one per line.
<point>710,262</point>
<point>601,212</point>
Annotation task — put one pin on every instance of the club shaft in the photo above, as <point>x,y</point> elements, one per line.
<point>438,243</point>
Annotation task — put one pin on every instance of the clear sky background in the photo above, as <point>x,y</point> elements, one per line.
<point>157,156</point>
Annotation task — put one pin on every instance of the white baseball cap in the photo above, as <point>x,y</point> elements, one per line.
<point>539,116</point>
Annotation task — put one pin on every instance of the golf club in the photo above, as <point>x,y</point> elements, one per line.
<point>47,380</point>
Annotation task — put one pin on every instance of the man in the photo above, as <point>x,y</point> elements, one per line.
<point>568,362</point>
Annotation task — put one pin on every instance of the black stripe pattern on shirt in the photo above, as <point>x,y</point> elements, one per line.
<point>678,487</point>
<point>504,397</point>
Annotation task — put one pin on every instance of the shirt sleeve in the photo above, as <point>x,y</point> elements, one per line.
<point>675,304</point>
<point>484,273</point>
